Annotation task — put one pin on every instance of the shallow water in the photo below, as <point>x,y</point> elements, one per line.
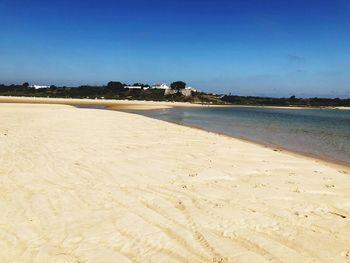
<point>319,132</point>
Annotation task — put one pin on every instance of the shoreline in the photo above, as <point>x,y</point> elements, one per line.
<point>286,107</point>
<point>331,162</point>
<point>120,104</point>
<point>126,105</point>
<point>142,104</point>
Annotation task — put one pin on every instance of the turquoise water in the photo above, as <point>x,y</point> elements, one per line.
<point>320,132</point>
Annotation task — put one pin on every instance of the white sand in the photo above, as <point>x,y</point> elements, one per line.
<point>87,185</point>
<point>117,104</point>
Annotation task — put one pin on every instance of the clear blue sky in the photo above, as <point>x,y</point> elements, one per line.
<point>247,47</point>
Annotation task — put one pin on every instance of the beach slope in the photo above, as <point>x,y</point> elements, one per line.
<point>89,185</point>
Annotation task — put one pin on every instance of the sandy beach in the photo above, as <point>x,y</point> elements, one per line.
<point>137,105</point>
<point>90,185</point>
<point>111,104</point>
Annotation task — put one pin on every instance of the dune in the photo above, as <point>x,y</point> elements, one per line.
<point>89,185</point>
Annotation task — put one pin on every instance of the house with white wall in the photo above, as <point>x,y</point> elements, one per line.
<point>133,87</point>
<point>39,87</point>
<point>191,89</point>
<point>160,86</point>
<point>136,87</point>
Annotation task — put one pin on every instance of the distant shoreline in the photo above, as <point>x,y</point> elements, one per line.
<point>140,104</point>
<point>112,104</point>
<point>288,107</point>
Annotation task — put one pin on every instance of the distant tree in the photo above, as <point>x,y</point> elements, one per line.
<point>25,84</point>
<point>178,85</point>
<point>293,100</point>
<point>115,86</point>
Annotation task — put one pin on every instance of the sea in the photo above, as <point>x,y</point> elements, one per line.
<point>321,133</point>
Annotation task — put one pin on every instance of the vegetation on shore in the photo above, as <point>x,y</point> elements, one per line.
<point>292,101</point>
<point>118,90</point>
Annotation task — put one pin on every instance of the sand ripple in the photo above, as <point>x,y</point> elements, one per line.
<point>85,185</point>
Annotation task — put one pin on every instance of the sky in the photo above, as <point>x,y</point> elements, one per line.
<point>248,47</point>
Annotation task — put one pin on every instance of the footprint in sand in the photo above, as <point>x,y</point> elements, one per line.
<point>179,205</point>
<point>295,190</point>
<point>259,185</point>
<point>219,260</point>
<point>300,215</point>
<point>346,254</point>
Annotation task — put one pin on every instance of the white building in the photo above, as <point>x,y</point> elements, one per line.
<point>160,86</point>
<point>39,87</point>
<point>136,87</point>
<point>133,87</point>
<point>191,89</point>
